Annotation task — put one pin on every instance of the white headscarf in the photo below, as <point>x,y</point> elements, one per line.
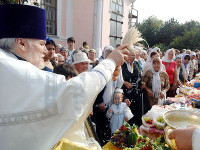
<point>110,89</point>
<point>129,66</point>
<point>149,56</point>
<point>166,59</point>
<point>192,54</point>
<point>185,67</point>
<point>130,69</point>
<point>144,52</point>
<point>156,83</point>
<point>155,49</point>
<point>178,56</point>
<point>107,49</point>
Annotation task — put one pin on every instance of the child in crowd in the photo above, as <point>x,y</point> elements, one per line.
<point>65,69</point>
<point>118,112</point>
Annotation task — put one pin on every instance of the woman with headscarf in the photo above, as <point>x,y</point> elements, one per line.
<point>131,87</point>
<point>192,66</point>
<point>148,63</point>
<point>156,82</point>
<point>178,60</point>
<point>171,69</point>
<point>184,69</point>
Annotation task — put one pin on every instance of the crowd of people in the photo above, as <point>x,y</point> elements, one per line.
<point>121,85</point>
<point>145,79</point>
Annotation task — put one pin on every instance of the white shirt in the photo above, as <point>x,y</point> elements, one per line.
<point>70,56</point>
<point>37,107</point>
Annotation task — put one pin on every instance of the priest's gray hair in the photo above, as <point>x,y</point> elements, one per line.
<point>7,44</point>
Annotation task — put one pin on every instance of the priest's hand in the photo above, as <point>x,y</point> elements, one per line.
<point>119,55</point>
<point>183,138</point>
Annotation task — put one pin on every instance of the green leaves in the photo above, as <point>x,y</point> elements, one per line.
<point>13,1</point>
<point>170,33</point>
<point>190,40</point>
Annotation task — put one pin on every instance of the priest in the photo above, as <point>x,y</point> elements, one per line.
<point>37,107</point>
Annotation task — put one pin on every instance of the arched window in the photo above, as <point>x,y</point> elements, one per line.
<point>116,22</point>
<point>51,11</point>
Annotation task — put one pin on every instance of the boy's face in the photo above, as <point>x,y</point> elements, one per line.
<point>71,44</point>
<point>118,97</point>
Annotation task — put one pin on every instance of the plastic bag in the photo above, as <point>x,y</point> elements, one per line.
<point>159,121</point>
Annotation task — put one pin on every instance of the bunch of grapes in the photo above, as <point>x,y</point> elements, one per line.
<point>160,119</point>
<point>119,138</point>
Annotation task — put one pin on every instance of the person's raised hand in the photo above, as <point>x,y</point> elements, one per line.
<point>119,55</point>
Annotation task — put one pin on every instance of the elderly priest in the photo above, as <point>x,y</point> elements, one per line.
<point>37,107</point>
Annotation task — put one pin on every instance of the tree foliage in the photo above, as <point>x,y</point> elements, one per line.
<point>170,33</point>
<point>150,29</point>
<point>190,40</point>
<point>188,26</point>
<point>13,1</point>
<point>170,30</point>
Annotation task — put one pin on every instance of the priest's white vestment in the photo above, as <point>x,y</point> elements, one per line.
<point>37,108</point>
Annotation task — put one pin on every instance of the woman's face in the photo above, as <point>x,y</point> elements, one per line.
<point>55,59</point>
<point>51,51</point>
<point>64,53</point>
<point>156,66</point>
<point>186,60</point>
<point>178,62</point>
<point>131,57</point>
<point>170,55</point>
<point>156,55</point>
<point>91,55</point>
<point>192,57</point>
